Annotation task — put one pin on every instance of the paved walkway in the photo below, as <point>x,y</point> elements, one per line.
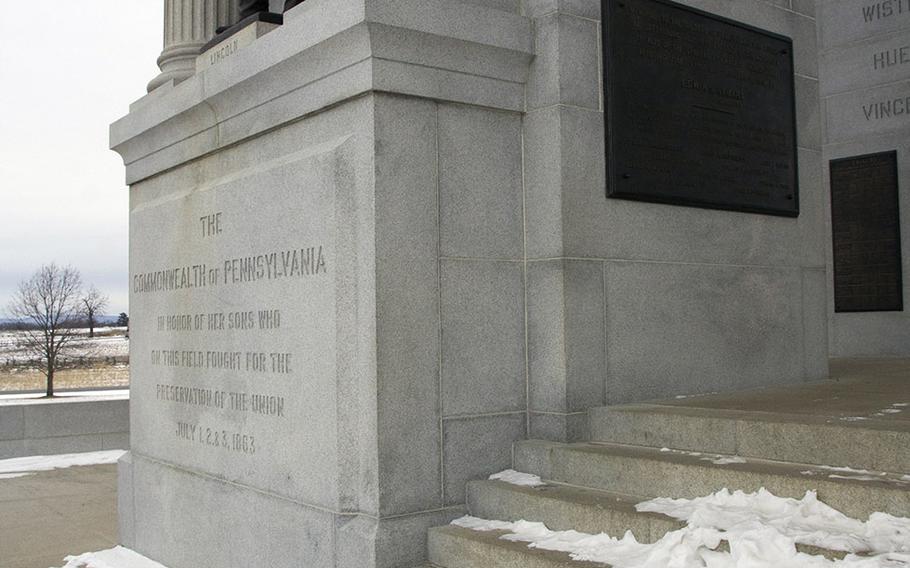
<point>52,514</point>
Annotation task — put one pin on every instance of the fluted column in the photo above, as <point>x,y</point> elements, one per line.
<point>188,25</point>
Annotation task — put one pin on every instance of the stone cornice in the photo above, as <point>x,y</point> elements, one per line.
<point>326,52</point>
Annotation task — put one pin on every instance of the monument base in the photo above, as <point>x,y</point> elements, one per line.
<point>185,518</point>
<point>373,249</point>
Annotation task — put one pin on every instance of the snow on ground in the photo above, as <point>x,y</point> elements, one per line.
<point>64,396</point>
<point>518,478</point>
<point>685,396</point>
<point>20,467</point>
<point>762,531</point>
<point>108,342</point>
<point>896,408</point>
<point>118,557</point>
<point>858,474</point>
<point>716,459</point>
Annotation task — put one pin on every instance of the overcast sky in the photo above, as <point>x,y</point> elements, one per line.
<point>68,69</point>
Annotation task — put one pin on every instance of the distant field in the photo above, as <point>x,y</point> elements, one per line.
<point>100,378</point>
<point>100,362</point>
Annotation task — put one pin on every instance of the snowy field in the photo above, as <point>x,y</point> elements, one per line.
<point>109,343</point>
<point>100,362</point>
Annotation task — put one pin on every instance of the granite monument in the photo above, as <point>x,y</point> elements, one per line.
<point>375,245</point>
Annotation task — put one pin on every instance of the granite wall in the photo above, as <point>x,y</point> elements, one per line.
<point>630,301</point>
<point>865,65</point>
<point>63,426</point>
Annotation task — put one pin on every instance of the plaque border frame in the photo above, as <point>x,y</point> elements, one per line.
<point>899,251</point>
<point>607,91</point>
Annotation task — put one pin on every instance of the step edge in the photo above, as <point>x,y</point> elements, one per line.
<point>890,480</point>
<point>492,538</point>
<point>559,490</point>
<point>756,416</point>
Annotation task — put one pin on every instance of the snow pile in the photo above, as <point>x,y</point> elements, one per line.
<point>518,478</point>
<point>804,521</point>
<point>118,557</point>
<point>762,532</point>
<point>20,467</point>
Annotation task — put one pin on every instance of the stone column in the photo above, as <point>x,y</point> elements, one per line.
<point>188,25</point>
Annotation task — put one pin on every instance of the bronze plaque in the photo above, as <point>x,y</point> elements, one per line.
<point>865,223</point>
<point>700,109</point>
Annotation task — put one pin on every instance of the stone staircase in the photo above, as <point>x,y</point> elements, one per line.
<point>639,452</point>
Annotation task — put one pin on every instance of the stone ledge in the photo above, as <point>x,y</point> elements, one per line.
<point>331,51</point>
<point>67,426</point>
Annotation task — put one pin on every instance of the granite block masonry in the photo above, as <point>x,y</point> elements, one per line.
<point>373,248</point>
<point>865,91</point>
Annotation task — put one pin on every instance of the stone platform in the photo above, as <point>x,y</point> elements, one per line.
<point>858,387</point>
<point>846,438</point>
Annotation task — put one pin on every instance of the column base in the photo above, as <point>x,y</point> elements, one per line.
<point>177,64</point>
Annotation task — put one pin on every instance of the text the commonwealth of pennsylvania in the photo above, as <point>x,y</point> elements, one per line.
<point>294,263</point>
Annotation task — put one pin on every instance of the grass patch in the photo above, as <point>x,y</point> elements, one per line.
<point>100,377</point>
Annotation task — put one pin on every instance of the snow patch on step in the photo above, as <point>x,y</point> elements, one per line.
<point>762,531</point>
<point>852,474</point>
<point>118,557</point>
<point>518,478</point>
<point>805,521</point>
<point>716,459</point>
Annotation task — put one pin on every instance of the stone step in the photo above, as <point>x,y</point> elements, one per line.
<point>824,440</point>
<point>456,547</point>
<point>563,507</point>
<point>650,472</point>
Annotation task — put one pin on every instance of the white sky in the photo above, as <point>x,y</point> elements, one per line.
<point>68,68</point>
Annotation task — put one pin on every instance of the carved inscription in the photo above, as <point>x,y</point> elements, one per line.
<point>273,265</point>
<point>700,110</point>
<point>885,10</point>
<point>194,351</point>
<point>224,51</point>
<point>866,234</point>
<point>886,109</point>
<point>891,58</point>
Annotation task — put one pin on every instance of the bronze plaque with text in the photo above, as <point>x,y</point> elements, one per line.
<point>865,224</point>
<point>700,110</point>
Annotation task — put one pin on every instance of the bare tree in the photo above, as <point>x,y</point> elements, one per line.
<point>92,304</point>
<point>50,300</point>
